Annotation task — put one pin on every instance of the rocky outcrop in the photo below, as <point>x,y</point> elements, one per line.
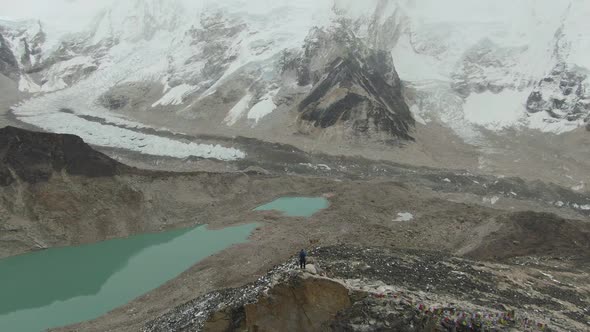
<point>300,304</point>
<point>34,157</point>
<point>304,305</point>
<point>353,87</point>
<point>562,94</point>
<point>212,42</point>
<point>538,234</point>
<point>32,48</point>
<point>376,289</point>
<point>487,66</point>
<point>26,52</point>
<point>30,36</point>
<point>8,63</point>
<point>129,97</point>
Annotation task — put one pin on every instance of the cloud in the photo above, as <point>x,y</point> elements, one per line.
<point>58,13</point>
<point>73,14</point>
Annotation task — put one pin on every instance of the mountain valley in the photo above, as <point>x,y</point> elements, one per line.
<point>452,143</point>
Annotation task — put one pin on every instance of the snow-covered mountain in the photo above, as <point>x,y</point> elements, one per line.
<point>338,68</point>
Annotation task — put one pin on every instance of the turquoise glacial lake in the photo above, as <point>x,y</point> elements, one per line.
<point>296,206</point>
<point>62,286</point>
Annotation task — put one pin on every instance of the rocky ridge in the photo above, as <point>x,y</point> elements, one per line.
<point>352,85</point>
<point>35,157</point>
<point>370,289</point>
<point>562,94</point>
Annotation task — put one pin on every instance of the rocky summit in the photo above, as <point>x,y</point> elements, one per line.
<point>353,86</point>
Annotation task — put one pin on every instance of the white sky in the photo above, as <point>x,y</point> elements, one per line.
<point>58,13</point>
<point>60,10</point>
<point>77,13</point>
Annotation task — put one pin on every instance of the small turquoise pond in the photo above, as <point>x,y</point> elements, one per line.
<point>62,286</point>
<point>296,206</point>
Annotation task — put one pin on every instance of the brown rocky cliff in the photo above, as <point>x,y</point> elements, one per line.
<point>33,157</point>
<point>302,304</point>
<point>55,190</point>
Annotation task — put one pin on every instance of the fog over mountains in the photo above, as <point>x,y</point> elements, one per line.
<point>338,70</point>
<point>439,149</point>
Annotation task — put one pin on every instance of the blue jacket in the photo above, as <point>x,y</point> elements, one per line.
<point>302,255</point>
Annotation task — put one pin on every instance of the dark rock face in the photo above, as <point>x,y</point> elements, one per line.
<point>532,233</point>
<point>353,86</point>
<point>34,157</point>
<point>113,102</point>
<point>8,63</point>
<point>562,94</point>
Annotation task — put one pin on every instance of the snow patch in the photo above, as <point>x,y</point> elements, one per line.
<point>415,67</point>
<point>54,78</point>
<point>550,277</point>
<point>25,84</point>
<point>491,200</point>
<point>238,110</point>
<point>323,167</point>
<point>579,187</point>
<point>495,111</point>
<point>416,114</point>
<point>404,216</point>
<point>175,95</point>
<point>264,107</point>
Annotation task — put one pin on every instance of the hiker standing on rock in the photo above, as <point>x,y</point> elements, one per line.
<point>302,259</point>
